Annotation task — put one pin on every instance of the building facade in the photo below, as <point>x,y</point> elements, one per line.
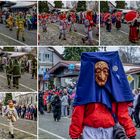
<point>25,98</point>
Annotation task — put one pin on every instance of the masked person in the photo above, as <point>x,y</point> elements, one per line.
<point>9,69</point>
<point>73,21</point>
<point>102,99</point>
<point>20,21</point>
<point>108,24</point>
<point>63,25</point>
<point>10,22</point>
<point>88,28</point>
<point>16,73</point>
<point>118,22</point>
<point>134,32</point>
<point>11,115</point>
<point>56,104</point>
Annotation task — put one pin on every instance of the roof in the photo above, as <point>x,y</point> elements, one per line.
<point>64,64</point>
<point>20,4</point>
<point>128,68</point>
<point>133,71</point>
<point>57,53</point>
<point>16,54</point>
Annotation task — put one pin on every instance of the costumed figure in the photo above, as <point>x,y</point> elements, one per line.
<point>113,19</point>
<point>20,21</point>
<point>56,104</point>
<point>102,19</point>
<point>63,25</point>
<point>10,22</point>
<point>88,28</point>
<point>69,24</point>
<point>44,22</point>
<point>11,114</point>
<point>16,73</point>
<point>9,69</point>
<point>118,22</point>
<point>108,24</point>
<point>134,32</point>
<point>102,99</point>
<point>97,25</point>
<point>73,21</point>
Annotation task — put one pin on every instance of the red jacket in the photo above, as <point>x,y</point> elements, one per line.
<point>97,115</point>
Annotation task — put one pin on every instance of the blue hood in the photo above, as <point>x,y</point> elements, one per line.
<point>116,88</point>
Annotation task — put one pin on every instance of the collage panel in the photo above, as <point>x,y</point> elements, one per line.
<point>18,69</point>
<point>18,23</point>
<point>68,22</point>
<point>18,115</point>
<point>71,87</point>
<point>119,23</point>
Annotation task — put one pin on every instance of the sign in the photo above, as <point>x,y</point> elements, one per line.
<point>130,78</point>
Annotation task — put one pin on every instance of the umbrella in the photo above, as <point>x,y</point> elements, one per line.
<point>119,14</point>
<point>131,16</point>
<point>106,15</point>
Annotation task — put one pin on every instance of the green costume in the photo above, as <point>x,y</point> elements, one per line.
<point>20,21</point>
<point>22,67</point>
<point>9,70</point>
<point>16,73</point>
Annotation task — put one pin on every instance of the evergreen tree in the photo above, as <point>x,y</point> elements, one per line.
<point>58,4</point>
<point>120,4</point>
<point>74,53</point>
<point>43,6</point>
<point>104,6</point>
<point>81,6</point>
<point>7,98</point>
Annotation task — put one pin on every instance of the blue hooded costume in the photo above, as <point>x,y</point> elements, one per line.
<point>116,88</point>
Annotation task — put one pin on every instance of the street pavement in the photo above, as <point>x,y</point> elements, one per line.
<point>9,37</point>
<point>49,129</point>
<point>26,83</point>
<point>51,37</point>
<point>116,37</point>
<point>23,129</point>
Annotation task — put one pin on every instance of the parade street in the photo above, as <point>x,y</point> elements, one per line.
<point>22,129</point>
<point>116,37</point>
<point>9,37</point>
<point>51,37</point>
<point>26,84</point>
<point>49,129</point>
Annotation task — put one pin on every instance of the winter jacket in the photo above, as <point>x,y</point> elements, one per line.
<point>97,115</point>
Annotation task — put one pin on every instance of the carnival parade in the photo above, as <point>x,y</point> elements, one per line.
<point>18,23</point>
<point>70,26</point>
<point>120,22</point>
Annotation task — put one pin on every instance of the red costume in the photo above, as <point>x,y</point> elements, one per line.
<point>133,34</point>
<point>97,115</point>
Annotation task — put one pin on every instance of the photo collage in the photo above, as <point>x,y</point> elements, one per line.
<point>69,69</point>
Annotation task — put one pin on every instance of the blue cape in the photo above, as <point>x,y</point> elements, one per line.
<point>116,88</point>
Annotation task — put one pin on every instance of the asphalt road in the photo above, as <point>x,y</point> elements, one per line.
<point>23,129</point>
<point>9,37</point>
<point>26,84</point>
<point>116,37</point>
<point>51,37</point>
<point>48,129</point>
